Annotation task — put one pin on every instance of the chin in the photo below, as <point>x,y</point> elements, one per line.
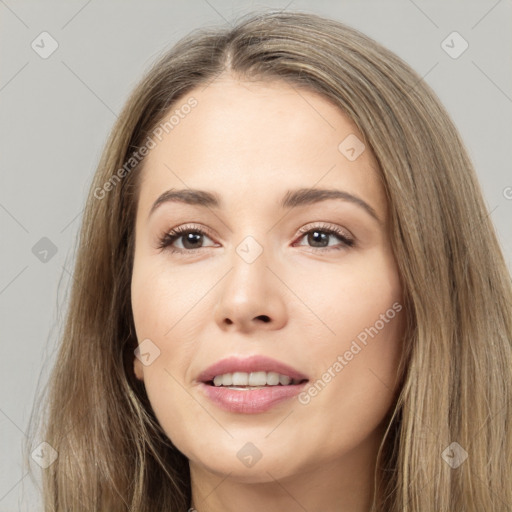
<point>261,472</point>
<point>244,461</point>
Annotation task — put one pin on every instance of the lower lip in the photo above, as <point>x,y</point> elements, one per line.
<point>251,401</point>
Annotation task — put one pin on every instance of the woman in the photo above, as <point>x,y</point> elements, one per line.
<point>288,293</point>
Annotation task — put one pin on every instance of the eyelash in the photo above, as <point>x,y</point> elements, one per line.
<point>166,241</point>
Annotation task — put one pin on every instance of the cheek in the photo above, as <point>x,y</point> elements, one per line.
<point>343,301</point>
<point>358,343</point>
<point>357,365</point>
<point>167,311</point>
<point>162,296</point>
<point>157,308</point>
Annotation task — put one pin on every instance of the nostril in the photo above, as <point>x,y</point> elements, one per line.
<point>265,318</point>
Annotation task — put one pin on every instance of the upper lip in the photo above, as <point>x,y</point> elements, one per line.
<point>256,363</point>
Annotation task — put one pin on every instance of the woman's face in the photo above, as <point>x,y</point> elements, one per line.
<point>269,280</point>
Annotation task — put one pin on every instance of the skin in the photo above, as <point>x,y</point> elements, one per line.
<point>250,143</point>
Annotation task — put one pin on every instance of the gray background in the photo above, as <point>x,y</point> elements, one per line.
<point>57,112</point>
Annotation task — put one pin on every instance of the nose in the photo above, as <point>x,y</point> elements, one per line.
<point>251,297</point>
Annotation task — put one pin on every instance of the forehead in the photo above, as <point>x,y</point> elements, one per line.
<point>253,138</point>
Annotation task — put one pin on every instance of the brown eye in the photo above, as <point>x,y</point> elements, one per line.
<point>189,238</point>
<point>319,238</point>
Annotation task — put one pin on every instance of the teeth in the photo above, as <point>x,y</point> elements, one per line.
<point>253,379</point>
<point>240,379</point>
<point>284,380</point>
<point>258,379</point>
<point>272,379</point>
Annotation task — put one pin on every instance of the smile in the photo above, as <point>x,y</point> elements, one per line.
<point>250,385</point>
<point>253,380</point>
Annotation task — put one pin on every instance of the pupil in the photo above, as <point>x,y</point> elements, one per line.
<point>191,238</point>
<point>315,237</point>
<point>314,234</point>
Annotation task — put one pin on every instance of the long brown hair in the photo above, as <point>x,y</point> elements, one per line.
<point>456,369</point>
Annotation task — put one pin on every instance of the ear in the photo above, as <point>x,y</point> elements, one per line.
<point>137,368</point>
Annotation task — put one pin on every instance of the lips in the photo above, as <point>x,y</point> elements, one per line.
<point>246,399</point>
<point>251,364</point>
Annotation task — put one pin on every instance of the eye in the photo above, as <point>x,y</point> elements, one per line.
<point>320,236</point>
<point>190,237</point>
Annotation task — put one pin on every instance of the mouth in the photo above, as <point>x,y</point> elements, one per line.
<point>244,381</point>
<point>251,385</point>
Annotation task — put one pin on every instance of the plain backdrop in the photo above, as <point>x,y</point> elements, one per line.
<point>57,110</point>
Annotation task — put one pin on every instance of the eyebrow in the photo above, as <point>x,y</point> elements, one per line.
<point>292,199</point>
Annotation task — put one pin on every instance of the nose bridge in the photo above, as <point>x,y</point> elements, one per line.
<point>249,275</point>
<point>251,295</point>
